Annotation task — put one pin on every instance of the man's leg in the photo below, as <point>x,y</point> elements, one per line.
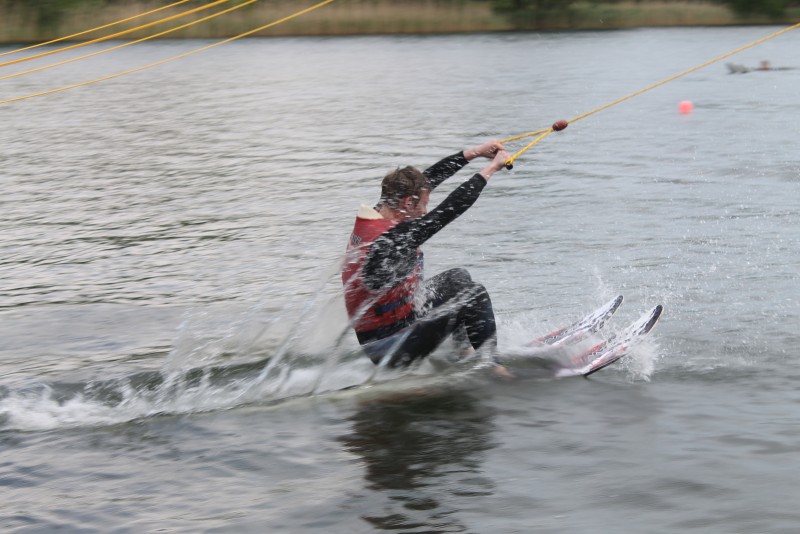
<point>453,300</point>
<point>423,337</point>
<point>455,289</point>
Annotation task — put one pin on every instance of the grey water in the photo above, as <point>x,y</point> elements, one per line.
<point>174,354</point>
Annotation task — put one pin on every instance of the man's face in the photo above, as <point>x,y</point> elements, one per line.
<point>421,208</point>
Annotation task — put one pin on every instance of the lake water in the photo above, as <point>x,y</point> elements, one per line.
<point>173,347</point>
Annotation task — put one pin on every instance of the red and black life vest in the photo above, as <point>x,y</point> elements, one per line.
<point>367,309</point>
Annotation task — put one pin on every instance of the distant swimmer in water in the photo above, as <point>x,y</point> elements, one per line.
<point>735,68</point>
<point>395,312</point>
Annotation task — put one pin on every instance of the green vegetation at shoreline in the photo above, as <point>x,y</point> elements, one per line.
<point>24,21</point>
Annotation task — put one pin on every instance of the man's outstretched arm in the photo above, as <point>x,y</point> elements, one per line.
<point>447,167</point>
<point>393,255</point>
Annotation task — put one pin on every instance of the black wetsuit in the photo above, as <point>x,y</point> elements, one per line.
<point>452,299</point>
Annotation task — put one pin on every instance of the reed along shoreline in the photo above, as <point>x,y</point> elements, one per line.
<point>24,24</point>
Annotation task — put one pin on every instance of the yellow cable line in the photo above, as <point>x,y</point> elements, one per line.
<point>522,136</point>
<point>510,162</point>
<point>640,91</point>
<point>129,43</point>
<point>113,35</point>
<point>84,32</point>
<point>169,59</point>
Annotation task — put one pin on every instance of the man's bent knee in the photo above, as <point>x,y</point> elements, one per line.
<point>459,277</point>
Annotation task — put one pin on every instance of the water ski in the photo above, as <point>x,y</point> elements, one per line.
<point>557,355</point>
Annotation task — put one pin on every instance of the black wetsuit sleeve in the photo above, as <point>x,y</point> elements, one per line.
<point>444,169</point>
<point>392,256</point>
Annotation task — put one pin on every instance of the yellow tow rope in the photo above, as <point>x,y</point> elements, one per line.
<point>129,43</point>
<point>173,58</point>
<point>103,27</point>
<point>560,125</point>
<point>118,34</point>
<point>540,134</point>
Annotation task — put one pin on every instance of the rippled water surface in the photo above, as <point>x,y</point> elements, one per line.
<point>173,347</point>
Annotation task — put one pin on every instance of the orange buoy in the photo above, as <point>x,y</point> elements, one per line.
<point>685,107</point>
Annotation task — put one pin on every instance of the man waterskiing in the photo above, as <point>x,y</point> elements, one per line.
<point>398,316</point>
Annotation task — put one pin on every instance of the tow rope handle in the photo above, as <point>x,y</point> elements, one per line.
<point>556,127</point>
